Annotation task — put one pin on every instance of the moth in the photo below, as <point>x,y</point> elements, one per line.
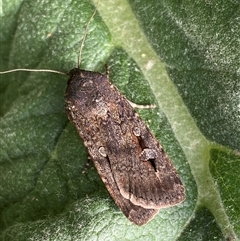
<point>130,161</point>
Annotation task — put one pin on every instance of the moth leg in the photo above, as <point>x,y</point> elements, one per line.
<point>141,106</point>
<point>87,165</point>
<point>107,71</point>
<point>130,102</point>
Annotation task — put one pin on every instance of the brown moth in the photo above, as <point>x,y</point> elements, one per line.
<point>129,159</point>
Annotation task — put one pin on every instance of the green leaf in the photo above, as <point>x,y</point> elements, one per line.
<point>182,56</point>
<point>224,167</point>
<point>202,226</point>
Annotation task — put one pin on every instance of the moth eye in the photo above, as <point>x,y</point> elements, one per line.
<point>136,131</point>
<point>102,151</point>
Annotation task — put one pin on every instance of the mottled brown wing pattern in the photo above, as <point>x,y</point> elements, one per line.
<point>134,167</point>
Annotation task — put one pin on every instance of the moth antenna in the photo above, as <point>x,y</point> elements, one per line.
<point>55,71</point>
<point>85,35</point>
<point>33,70</point>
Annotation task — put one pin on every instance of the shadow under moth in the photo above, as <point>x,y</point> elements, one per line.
<point>130,161</point>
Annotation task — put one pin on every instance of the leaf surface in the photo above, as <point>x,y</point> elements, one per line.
<point>181,56</point>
